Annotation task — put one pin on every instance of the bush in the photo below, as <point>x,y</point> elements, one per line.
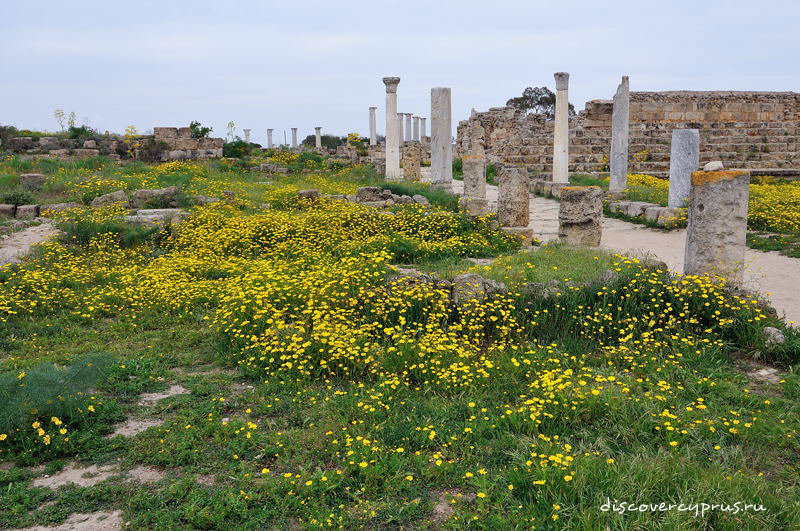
<point>236,149</point>
<point>17,197</point>
<point>198,131</point>
<point>151,150</point>
<point>83,131</point>
<point>458,167</point>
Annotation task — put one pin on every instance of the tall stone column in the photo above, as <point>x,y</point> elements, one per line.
<point>684,158</point>
<point>294,138</point>
<point>620,118</point>
<point>269,137</point>
<point>561,130</point>
<point>441,133</point>
<point>416,128</point>
<point>373,128</point>
<point>392,137</point>
<point>409,132</point>
<point>400,135</point>
<point>422,127</point>
<point>247,135</point>
<point>318,137</point>
<point>717,224</point>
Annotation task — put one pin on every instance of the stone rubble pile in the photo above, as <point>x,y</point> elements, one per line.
<point>373,196</point>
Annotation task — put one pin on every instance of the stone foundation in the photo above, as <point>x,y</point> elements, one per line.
<point>580,215</point>
<point>513,197</point>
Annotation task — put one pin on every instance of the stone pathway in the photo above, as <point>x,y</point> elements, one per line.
<point>16,245</point>
<point>770,273</point>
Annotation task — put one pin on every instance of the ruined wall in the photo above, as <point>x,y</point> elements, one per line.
<point>755,130</point>
<point>181,145</point>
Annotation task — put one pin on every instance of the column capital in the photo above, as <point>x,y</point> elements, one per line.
<point>270,130</point>
<point>373,108</point>
<point>562,80</point>
<point>318,129</point>
<point>391,83</point>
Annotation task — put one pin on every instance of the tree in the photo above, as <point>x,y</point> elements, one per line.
<point>198,131</point>
<point>538,100</point>
<point>328,141</point>
<point>59,116</point>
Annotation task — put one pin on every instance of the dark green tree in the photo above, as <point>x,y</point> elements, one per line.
<point>538,100</point>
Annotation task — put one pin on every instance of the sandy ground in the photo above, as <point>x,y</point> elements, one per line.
<point>771,273</point>
<point>16,245</point>
<point>99,521</point>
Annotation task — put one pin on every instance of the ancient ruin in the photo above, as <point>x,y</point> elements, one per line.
<point>441,148</point>
<point>411,161</point>
<point>580,215</point>
<point>392,138</point>
<point>683,160</point>
<point>620,121</point>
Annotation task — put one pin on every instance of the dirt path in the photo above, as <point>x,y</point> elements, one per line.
<point>771,273</point>
<point>16,245</point>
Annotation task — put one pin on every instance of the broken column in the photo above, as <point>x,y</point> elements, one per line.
<point>269,137</point>
<point>684,158</point>
<point>392,138</point>
<point>400,134</point>
<point>411,161</point>
<point>416,128</point>
<point>294,138</point>
<point>620,118</point>
<point>474,201</point>
<point>373,127</point>
<point>247,135</point>
<point>318,137</point>
<point>409,133</point>
<point>717,224</point>
<point>561,130</point>
<point>422,128</point>
<point>441,132</point>
<point>513,202</point>
<point>580,215</point>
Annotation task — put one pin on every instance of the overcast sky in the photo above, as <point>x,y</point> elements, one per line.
<point>309,63</point>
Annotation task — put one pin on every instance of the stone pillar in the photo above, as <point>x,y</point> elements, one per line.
<point>561,130</point>
<point>684,158</point>
<point>422,127</point>
<point>373,127</point>
<point>441,132</point>
<point>411,161</point>
<point>294,138</point>
<point>416,128</point>
<point>474,202</point>
<point>247,135</point>
<point>269,137</point>
<point>392,137</point>
<point>513,202</point>
<point>620,118</point>
<point>717,224</point>
<point>318,137</point>
<point>580,215</point>
<point>409,133</point>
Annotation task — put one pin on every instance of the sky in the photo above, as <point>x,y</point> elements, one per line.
<point>264,64</point>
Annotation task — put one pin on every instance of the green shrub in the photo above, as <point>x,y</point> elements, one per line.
<point>127,234</point>
<point>17,197</point>
<point>84,131</point>
<point>198,131</point>
<point>237,149</point>
<point>458,167</point>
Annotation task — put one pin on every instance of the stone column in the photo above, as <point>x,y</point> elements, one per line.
<point>441,132</point>
<point>269,137</point>
<point>409,133</point>
<point>247,135</point>
<point>717,224</point>
<point>580,215</point>
<point>422,127</point>
<point>373,127</point>
<point>513,202</point>
<point>411,161</point>
<point>620,118</point>
<point>561,130</point>
<point>474,202</point>
<point>684,158</point>
<point>294,138</point>
<point>416,128</point>
<point>392,137</point>
<point>318,137</point>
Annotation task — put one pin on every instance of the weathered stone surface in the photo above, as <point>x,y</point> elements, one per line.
<point>85,153</point>
<point>114,197</point>
<point>392,161</point>
<point>772,336</point>
<point>670,216</point>
<point>523,234</point>
<point>683,160</point>
<point>373,128</point>
<point>411,161</point>
<point>513,197</point>
<point>57,207</point>
<point>369,193</point>
<point>620,120</point>
<point>420,199</point>
<point>473,287</point>
<point>561,130</point>
<point>717,224</point>
<point>714,165</point>
<point>309,195</point>
<point>474,165</point>
<point>7,211</point>
<point>375,204</point>
<point>474,206</point>
<point>635,208</point>
<point>441,134</point>
<point>580,215</point>
<point>165,133</point>
<point>652,213</point>
<point>162,197</point>
<point>90,144</point>
<point>27,211</point>
<point>32,181</point>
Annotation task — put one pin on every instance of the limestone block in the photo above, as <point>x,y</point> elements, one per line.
<point>7,211</point>
<point>683,160</point>
<point>714,165</point>
<point>523,234</point>
<point>636,208</point>
<point>369,193</point>
<point>537,186</point>
<point>669,216</point>
<point>184,143</point>
<point>473,287</point>
<point>513,197</point>
<point>162,196</point>
<point>85,153</point>
<point>48,210</point>
<point>32,181</point>
<point>27,211</point>
<point>60,153</point>
<point>210,143</point>
<point>652,213</point>
<point>411,161</point>
<point>165,133</point>
<point>474,206</point>
<point>184,132</point>
<point>474,168</point>
<point>580,215</point>
<point>374,204</point>
<point>555,189</point>
<point>717,224</point>
<point>420,199</point>
<point>90,144</point>
<point>308,195</point>
<point>114,197</point>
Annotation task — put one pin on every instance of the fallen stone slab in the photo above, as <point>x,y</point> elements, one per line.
<point>308,195</point>
<point>471,286</point>
<point>27,211</point>
<point>46,210</point>
<point>8,211</point>
<point>636,208</point>
<point>109,199</point>
<point>32,181</point>
<point>162,196</point>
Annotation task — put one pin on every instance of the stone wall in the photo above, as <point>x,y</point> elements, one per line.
<point>755,130</point>
<point>181,145</point>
